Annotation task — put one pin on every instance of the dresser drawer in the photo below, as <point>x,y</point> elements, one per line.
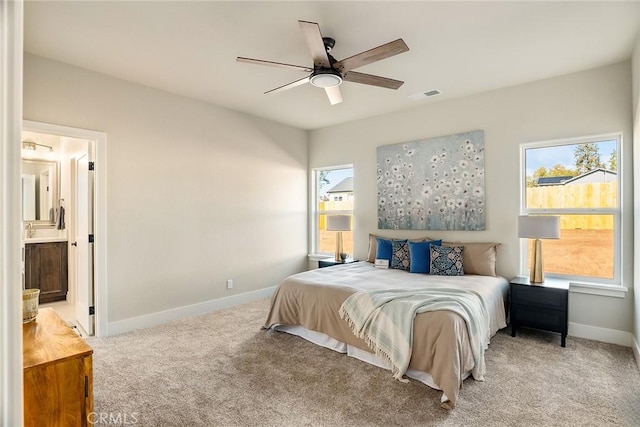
<point>539,296</point>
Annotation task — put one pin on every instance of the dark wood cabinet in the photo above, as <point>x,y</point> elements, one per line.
<point>46,268</point>
<point>540,305</point>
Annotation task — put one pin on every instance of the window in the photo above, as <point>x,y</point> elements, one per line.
<point>333,195</point>
<point>578,180</point>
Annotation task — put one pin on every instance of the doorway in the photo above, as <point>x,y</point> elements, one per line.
<point>81,155</point>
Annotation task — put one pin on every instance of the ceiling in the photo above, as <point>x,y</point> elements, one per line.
<point>459,48</point>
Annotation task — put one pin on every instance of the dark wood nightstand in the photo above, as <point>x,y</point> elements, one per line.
<point>328,262</point>
<point>540,305</point>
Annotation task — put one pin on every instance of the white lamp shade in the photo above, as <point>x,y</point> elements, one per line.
<point>338,222</point>
<point>539,226</point>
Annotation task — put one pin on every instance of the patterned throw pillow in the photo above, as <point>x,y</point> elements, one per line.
<point>446,260</point>
<point>400,255</point>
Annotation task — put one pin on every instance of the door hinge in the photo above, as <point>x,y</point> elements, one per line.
<point>92,310</point>
<point>92,166</point>
<point>90,238</point>
<point>86,386</point>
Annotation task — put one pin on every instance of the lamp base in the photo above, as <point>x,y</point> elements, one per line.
<point>537,274</point>
<point>338,253</point>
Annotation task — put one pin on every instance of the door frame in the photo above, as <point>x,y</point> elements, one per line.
<point>99,212</point>
<point>11,55</point>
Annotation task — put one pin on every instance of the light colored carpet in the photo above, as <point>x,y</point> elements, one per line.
<point>221,369</point>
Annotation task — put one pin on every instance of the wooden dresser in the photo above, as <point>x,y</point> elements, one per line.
<point>58,373</point>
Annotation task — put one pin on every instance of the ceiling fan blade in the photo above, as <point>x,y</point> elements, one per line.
<point>274,64</point>
<point>334,94</point>
<point>313,38</point>
<point>372,55</point>
<point>289,85</point>
<point>368,79</point>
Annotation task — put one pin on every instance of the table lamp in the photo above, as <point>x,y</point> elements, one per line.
<point>339,223</point>
<point>538,227</point>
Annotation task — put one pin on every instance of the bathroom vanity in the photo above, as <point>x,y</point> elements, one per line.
<point>45,244</point>
<point>46,268</point>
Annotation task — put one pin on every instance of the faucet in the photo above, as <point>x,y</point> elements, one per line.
<point>30,230</point>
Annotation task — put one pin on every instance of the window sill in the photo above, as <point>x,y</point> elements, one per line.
<point>318,257</point>
<point>615,291</point>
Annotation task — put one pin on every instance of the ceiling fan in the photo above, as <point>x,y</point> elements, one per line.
<point>328,73</point>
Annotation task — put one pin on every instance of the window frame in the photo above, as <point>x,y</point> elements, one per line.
<point>616,212</point>
<point>315,212</point>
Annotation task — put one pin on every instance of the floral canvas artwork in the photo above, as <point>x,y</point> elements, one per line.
<point>432,184</point>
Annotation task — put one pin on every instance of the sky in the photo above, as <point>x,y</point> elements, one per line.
<point>563,154</point>
<point>334,177</point>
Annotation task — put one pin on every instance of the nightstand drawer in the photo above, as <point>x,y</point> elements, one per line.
<point>539,296</point>
<point>328,262</point>
<point>540,318</point>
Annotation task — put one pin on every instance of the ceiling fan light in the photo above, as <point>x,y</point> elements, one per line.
<point>326,80</point>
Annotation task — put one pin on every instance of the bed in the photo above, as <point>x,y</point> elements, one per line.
<point>307,304</point>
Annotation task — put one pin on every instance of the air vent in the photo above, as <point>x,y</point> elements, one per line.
<point>427,94</point>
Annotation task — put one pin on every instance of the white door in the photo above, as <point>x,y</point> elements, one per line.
<point>84,249</point>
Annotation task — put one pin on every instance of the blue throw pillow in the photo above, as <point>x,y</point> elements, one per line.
<point>446,260</point>
<point>400,255</point>
<point>383,250</point>
<point>420,256</point>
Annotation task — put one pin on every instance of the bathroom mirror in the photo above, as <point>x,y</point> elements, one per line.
<point>39,191</point>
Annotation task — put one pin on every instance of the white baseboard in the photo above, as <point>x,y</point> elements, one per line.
<point>152,319</point>
<point>579,330</point>
<point>612,336</point>
<point>636,351</point>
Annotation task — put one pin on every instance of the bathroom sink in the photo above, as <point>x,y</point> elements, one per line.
<point>43,234</point>
<point>45,239</point>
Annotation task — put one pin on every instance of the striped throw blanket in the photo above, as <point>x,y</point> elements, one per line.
<point>384,319</point>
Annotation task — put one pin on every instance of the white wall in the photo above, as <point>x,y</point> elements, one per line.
<point>586,103</point>
<point>636,172</point>
<point>197,194</point>
<point>635,66</point>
